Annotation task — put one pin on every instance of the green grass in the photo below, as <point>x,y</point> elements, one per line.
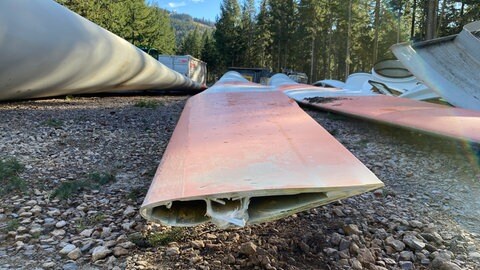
<point>147,103</point>
<point>101,178</point>
<point>10,181</point>
<point>159,238</point>
<point>12,225</point>
<point>94,180</point>
<point>67,189</point>
<point>69,97</point>
<point>135,193</point>
<point>55,123</point>
<point>163,238</point>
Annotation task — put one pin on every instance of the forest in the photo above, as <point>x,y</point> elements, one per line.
<point>323,38</point>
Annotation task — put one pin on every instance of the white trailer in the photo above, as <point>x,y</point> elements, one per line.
<point>187,65</point>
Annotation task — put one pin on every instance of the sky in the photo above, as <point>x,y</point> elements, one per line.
<point>208,9</point>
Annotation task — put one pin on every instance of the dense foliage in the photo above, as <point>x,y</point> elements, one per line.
<point>323,38</point>
<point>330,38</point>
<point>141,24</point>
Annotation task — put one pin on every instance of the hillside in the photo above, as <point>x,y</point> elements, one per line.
<point>184,23</point>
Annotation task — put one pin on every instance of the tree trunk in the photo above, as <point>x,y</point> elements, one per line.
<point>377,26</point>
<point>349,29</point>
<point>414,13</point>
<point>431,19</point>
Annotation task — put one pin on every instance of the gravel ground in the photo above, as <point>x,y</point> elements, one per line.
<point>426,217</point>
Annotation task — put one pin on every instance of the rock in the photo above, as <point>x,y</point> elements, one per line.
<point>128,225</point>
<point>172,251</point>
<point>406,256</point>
<point>129,211</point>
<point>58,233</point>
<point>415,224</point>
<point>413,242</point>
<point>60,224</point>
<point>86,232</point>
<point>356,264</point>
<point>67,249</point>
<point>100,252</point>
<point>344,244</point>
<point>330,252</point>
<point>351,229</point>
<point>198,244</point>
<point>119,251</point>
<point>474,255</point>
<point>70,266</point>
<point>396,244</point>
<point>36,210</point>
<point>405,265</point>
<point>106,232</point>
<point>335,239</point>
<point>74,254</point>
<point>49,265</point>
<point>449,266</point>
<point>365,256</point>
<point>248,248</point>
<point>338,212</point>
<point>54,212</point>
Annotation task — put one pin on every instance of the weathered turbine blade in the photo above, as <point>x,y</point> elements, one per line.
<point>47,50</point>
<point>244,153</point>
<point>449,66</point>
<point>436,119</point>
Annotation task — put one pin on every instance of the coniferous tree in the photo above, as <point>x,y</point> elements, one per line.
<point>263,37</point>
<point>227,33</point>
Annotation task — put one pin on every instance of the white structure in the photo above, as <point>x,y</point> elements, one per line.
<point>47,50</point>
<point>187,65</point>
<point>450,66</point>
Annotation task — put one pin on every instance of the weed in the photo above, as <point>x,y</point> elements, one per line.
<point>136,193</point>
<point>101,178</point>
<point>158,238</point>
<point>9,176</point>
<point>12,225</point>
<point>53,123</point>
<point>67,189</point>
<point>147,103</point>
<point>94,180</point>
<point>139,240</point>
<point>163,238</point>
<point>69,97</point>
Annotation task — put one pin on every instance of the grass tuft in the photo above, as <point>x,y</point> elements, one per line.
<point>12,225</point>
<point>67,189</point>
<point>163,238</point>
<point>159,238</point>
<point>101,178</point>
<point>147,103</point>
<point>53,123</point>
<point>10,181</point>
<point>94,180</point>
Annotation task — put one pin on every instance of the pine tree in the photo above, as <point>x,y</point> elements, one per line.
<point>263,37</point>
<point>227,33</point>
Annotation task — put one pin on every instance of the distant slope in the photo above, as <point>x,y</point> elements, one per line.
<point>184,23</point>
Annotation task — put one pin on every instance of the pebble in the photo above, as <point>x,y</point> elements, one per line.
<point>172,251</point>
<point>397,227</point>
<point>100,252</point>
<point>248,248</point>
<point>75,254</point>
<point>60,224</point>
<point>67,249</point>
